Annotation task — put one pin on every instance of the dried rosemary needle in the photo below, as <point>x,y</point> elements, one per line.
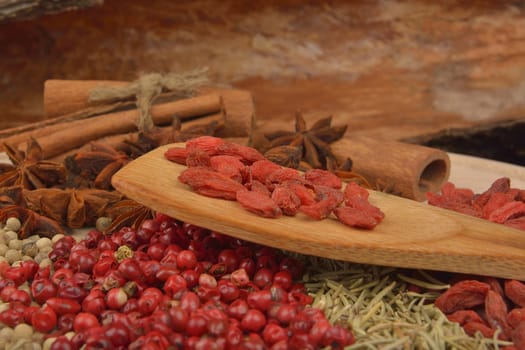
<point>376,303</point>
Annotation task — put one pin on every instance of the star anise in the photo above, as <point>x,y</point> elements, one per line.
<point>194,130</point>
<point>32,222</point>
<point>98,165</point>
<point>313,143</point>
<point>128,213</point>
<point>11,195</point>
<point>73,208</point>
<point>29,170</point>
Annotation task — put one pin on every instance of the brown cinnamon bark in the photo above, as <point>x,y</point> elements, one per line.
<point>63,97</point>
<point>82,131</point>
<point>115,140</point>
<point>61,137</point>
<point>400,168</point>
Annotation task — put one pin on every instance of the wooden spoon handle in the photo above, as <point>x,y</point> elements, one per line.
<point>412,235</point>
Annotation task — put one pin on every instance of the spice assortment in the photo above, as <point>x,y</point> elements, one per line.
<point>141,279</point>
<point>167,284</point>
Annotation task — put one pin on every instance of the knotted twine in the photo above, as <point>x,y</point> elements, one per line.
<point>147,88</point>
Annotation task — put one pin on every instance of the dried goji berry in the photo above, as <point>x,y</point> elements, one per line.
<point>353,190</point>
<point>471,328</point>
<point>328,199</point>
<point>515,317</point>
<point>494,284</point>
<point>323,177</point>
<point>496,312</point>
<point>261,169</point>
<point>305,194</point>
<point>197,158</point>
<point>453,198</point>
<point>501,185</point>
<point>286,199</point>
<point>508,211</point>
<point>464,316</point>
<point>355,217</point>
<point>230,166</point>
<point>247,154</point>
<point>259,204</point>
<point>257,186</point>
<point>515,291</point>
<point>210,183</point>
<point>209,144</point>
<point>495,201</point>
<point>282,175</point>
<point>462,295</point>
<point>518,336</point>
<point>177,155</point>
<point>518,223</point>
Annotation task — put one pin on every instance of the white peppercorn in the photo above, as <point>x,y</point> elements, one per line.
<point>30,249</point>
<point>48,342</point>
<point>3,249</point>
<point>15,244</point>
<point>45,263</point>
<point>57,237</point>
<point>10,235</point>
<point>103,223</point>
<point>12,224</point>
<point>22,331</point>
<point>39,257</point>
<point>43,242</point>
<point>6,333</point>
<point>13,255</point>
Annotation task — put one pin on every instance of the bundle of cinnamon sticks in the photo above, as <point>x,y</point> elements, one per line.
<point>72,122</point>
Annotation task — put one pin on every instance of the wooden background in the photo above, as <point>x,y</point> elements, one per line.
<point>390,69</point>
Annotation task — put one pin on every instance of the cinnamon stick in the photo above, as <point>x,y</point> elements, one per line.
<point>115,140</point>
<point>63,97</point>
<point>400,168</point>
<point>79,132</point>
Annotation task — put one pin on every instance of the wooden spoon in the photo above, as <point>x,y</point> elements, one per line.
<point>412,235</point>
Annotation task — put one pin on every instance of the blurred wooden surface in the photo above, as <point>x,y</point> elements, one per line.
<point>390,69</point>
<point>26,9</point>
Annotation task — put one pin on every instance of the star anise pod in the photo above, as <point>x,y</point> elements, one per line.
<point>141,144</point>
<point>128,213</point>
<point>98,165</point>
<point>73,208</point>
<point>29,170</point>
<point>195,130</point>
<point>32,222</point>
<point>313,142</point>
<point>11,195</point>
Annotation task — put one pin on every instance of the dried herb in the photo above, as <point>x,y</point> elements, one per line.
<point>74,208</point>
<point>29,170</point>
<point>313,143</point>
<point>32,222</point>
<point>383,311</point>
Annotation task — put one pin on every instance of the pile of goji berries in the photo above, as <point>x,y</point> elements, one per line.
<point>221,169</point>
<point>500,203</point>
<point>487,305</point>
<point>166,285</point>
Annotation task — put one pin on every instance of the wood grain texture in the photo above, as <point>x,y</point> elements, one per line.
<point>412,235</point>
<point>389,69</point>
